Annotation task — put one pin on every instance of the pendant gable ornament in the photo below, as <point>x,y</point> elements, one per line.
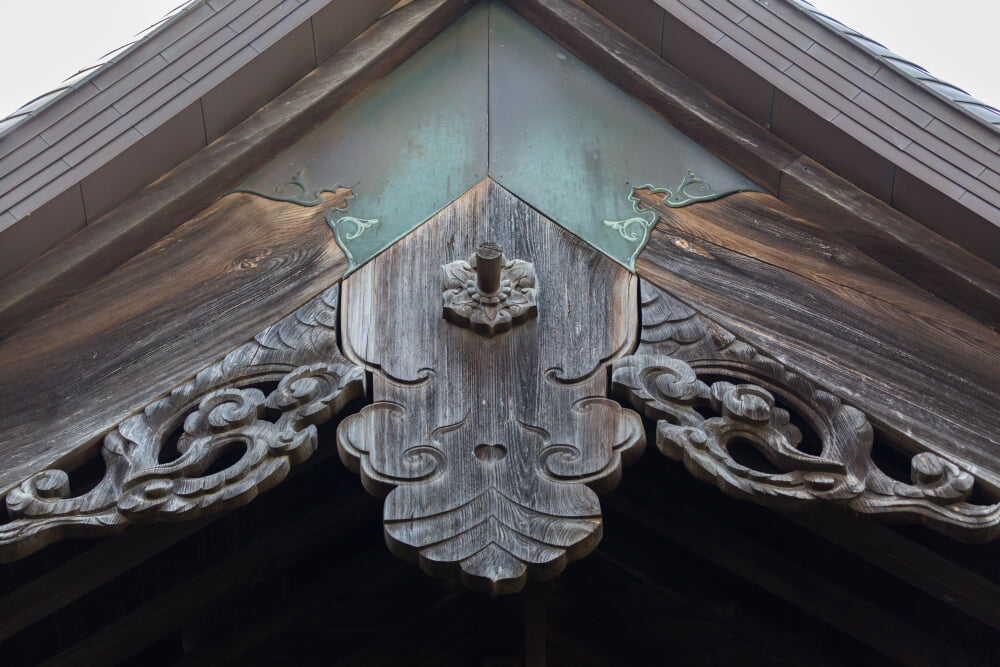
<point>490,442</point>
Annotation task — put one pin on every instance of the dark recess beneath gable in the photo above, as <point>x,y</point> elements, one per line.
<point>302,575</point>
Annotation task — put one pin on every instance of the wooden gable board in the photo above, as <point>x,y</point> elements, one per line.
<point>758,327</point>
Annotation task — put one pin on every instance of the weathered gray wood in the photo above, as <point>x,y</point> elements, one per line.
<point>332,586</point>
<point>70,376</point>
<point>105,561</point>
<point>223,415</point>
<point>911,562</point>
<point>691,593</point>
<point>161,616</point>
<point>781,575</point>
<point>934,263</point>
<point>88,572</point>
<point>201,179</point>
<point>489,445</point>
<point>924,373</point>
<point>702,422</point>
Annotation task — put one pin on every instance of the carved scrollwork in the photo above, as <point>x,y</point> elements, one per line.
<point>716,400</point>
<point>236,440</point>
<point>523,500</point>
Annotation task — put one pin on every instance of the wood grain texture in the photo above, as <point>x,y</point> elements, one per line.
<point>960,278</point>
<point>922,371</point>
<point>200,180</point>
<point>919,254</point>
<point>758,431</point>
<point>241,424</point>
<point>912,562</point>
<point>490,449</point>
<point>68,377</point>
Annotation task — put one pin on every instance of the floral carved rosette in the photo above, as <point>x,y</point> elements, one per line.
<point>488,313</point>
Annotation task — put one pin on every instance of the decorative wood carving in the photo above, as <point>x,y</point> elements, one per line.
<point>244,422</point>
<point>490,450</point>
<point>715,398</point>
<point>489,293</point>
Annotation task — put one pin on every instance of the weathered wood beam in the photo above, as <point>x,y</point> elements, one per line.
<point>107,560</point>
<point>412,643</point>
<point>201,179</point>
<point>890,237</point>
<point>740,619</point>
<point>918,368</point>
<point>329,588</point>
<point>89,571</point>
<point>208,286</point>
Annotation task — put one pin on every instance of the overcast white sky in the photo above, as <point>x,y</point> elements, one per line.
<point>954,40</point>
<point>44,42</point>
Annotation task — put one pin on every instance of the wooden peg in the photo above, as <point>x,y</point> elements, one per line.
<point>489,258</point>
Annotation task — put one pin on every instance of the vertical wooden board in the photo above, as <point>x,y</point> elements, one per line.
<point>491,441</point>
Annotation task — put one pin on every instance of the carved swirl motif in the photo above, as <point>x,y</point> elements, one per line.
<point>705,424</point>
<point>346,228</point>
<point>637,228</point>
<point>223,418</point>
<point>488,314</point>
<point>295,191</point>
<point>489,508</point>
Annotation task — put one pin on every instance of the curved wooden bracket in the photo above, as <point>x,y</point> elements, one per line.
<point>244,422</point>
<point>735,417</point>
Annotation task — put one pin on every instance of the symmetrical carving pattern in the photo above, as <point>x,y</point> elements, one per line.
<point>490,451</point>
<point>488,309</point>
<point>496,499</point>
<point>726,411</point>
<point>222,415</point>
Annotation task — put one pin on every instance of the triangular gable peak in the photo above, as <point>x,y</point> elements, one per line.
<point>604,168</point>
<point>701,289</point>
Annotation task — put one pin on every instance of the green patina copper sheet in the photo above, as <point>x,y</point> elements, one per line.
<point>494,96</point>
<point>408,146</point>
<point>574,146</point>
